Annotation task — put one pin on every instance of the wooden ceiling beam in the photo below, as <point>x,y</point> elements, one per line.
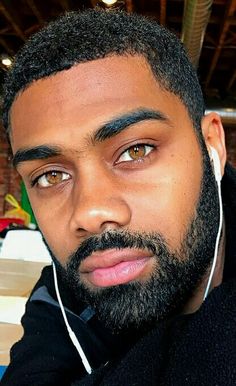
<point>35,11</point>
<point>213,19</point>
<point>210,39</point>
<point>224,29</point>
<point>11,15</point>
<point>163,12</point>
<point>231,39</point>
<point>4,31</point>
<point>65,5</point>
<point>129,5</point>
<point>231,81</point>
<point>6,47</point>
<point>142,4</point>
<point>93,3</point>
<point>230,42</point>
<point>32,29</point>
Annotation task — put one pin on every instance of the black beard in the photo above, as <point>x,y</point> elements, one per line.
<point>174,278</point>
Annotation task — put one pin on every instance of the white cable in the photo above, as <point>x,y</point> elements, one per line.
<point>70,331</point>
<point>218,181</point>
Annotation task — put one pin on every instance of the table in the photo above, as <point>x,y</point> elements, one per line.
<point>17,278</point>
<point>9,334</point>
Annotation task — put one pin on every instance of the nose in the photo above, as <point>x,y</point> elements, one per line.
<point>98,205</point>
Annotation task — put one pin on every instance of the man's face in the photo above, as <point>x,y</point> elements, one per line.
<point>106,151</point>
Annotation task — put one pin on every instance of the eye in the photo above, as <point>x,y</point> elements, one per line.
<point>51,178</point>
<point>135,153</point>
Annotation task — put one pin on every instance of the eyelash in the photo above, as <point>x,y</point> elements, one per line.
<point>139,159</point>
<point>35,180</point>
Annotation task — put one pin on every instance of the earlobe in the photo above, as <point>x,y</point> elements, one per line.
<point>214,136</point>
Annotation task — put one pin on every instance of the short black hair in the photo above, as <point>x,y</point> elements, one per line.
<point>78,37</point>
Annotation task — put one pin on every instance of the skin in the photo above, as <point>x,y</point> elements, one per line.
<point>102,188</point>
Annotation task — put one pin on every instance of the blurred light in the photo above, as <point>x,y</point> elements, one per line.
<point>6,61</point>
<point>109,2</point>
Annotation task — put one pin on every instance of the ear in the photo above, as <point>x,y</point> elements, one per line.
<point>213,134</point>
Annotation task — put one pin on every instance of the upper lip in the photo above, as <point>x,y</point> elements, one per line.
<point>110,258</point>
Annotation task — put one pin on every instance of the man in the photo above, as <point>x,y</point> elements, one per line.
<point>106,121</point>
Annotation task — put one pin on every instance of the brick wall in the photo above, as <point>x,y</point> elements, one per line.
<point>10,181</point>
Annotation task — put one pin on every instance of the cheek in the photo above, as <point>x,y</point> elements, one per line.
<point>169,202</point>
<point>52,223</point>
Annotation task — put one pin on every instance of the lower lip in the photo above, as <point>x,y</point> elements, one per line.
<point>121,273</point>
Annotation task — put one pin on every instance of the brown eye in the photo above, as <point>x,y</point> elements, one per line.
<point>135,153</point>
<point>51,178</point>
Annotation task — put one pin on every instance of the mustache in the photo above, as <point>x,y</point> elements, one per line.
<point>115,239</point>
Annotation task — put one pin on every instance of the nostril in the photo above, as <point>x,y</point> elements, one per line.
<point>109,226</point>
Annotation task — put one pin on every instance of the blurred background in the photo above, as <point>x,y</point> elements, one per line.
<point>207,29</point>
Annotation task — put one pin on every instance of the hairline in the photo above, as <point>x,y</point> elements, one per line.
<point>111,54</point>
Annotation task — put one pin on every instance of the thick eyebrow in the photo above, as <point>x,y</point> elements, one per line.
<point>34,153</point>
<point>107,130</point>
<point>115,126</point>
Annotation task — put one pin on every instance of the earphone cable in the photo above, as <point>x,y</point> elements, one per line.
<point>70,331</point>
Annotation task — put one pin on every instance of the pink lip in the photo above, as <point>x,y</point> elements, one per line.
<point>114,266</point>
<point>111,257</point>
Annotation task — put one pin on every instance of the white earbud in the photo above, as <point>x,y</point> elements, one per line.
<point>216,163</point>
<point>217,171</point>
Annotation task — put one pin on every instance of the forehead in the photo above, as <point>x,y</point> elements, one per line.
<point>86,95</point>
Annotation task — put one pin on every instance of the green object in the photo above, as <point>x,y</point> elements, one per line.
<point>25,204</point>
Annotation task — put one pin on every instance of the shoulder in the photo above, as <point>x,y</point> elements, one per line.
<point>197,349</point>
<point>206,345</point>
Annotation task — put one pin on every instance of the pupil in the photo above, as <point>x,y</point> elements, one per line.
<point>137,152</point>
<point>53,177</point>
